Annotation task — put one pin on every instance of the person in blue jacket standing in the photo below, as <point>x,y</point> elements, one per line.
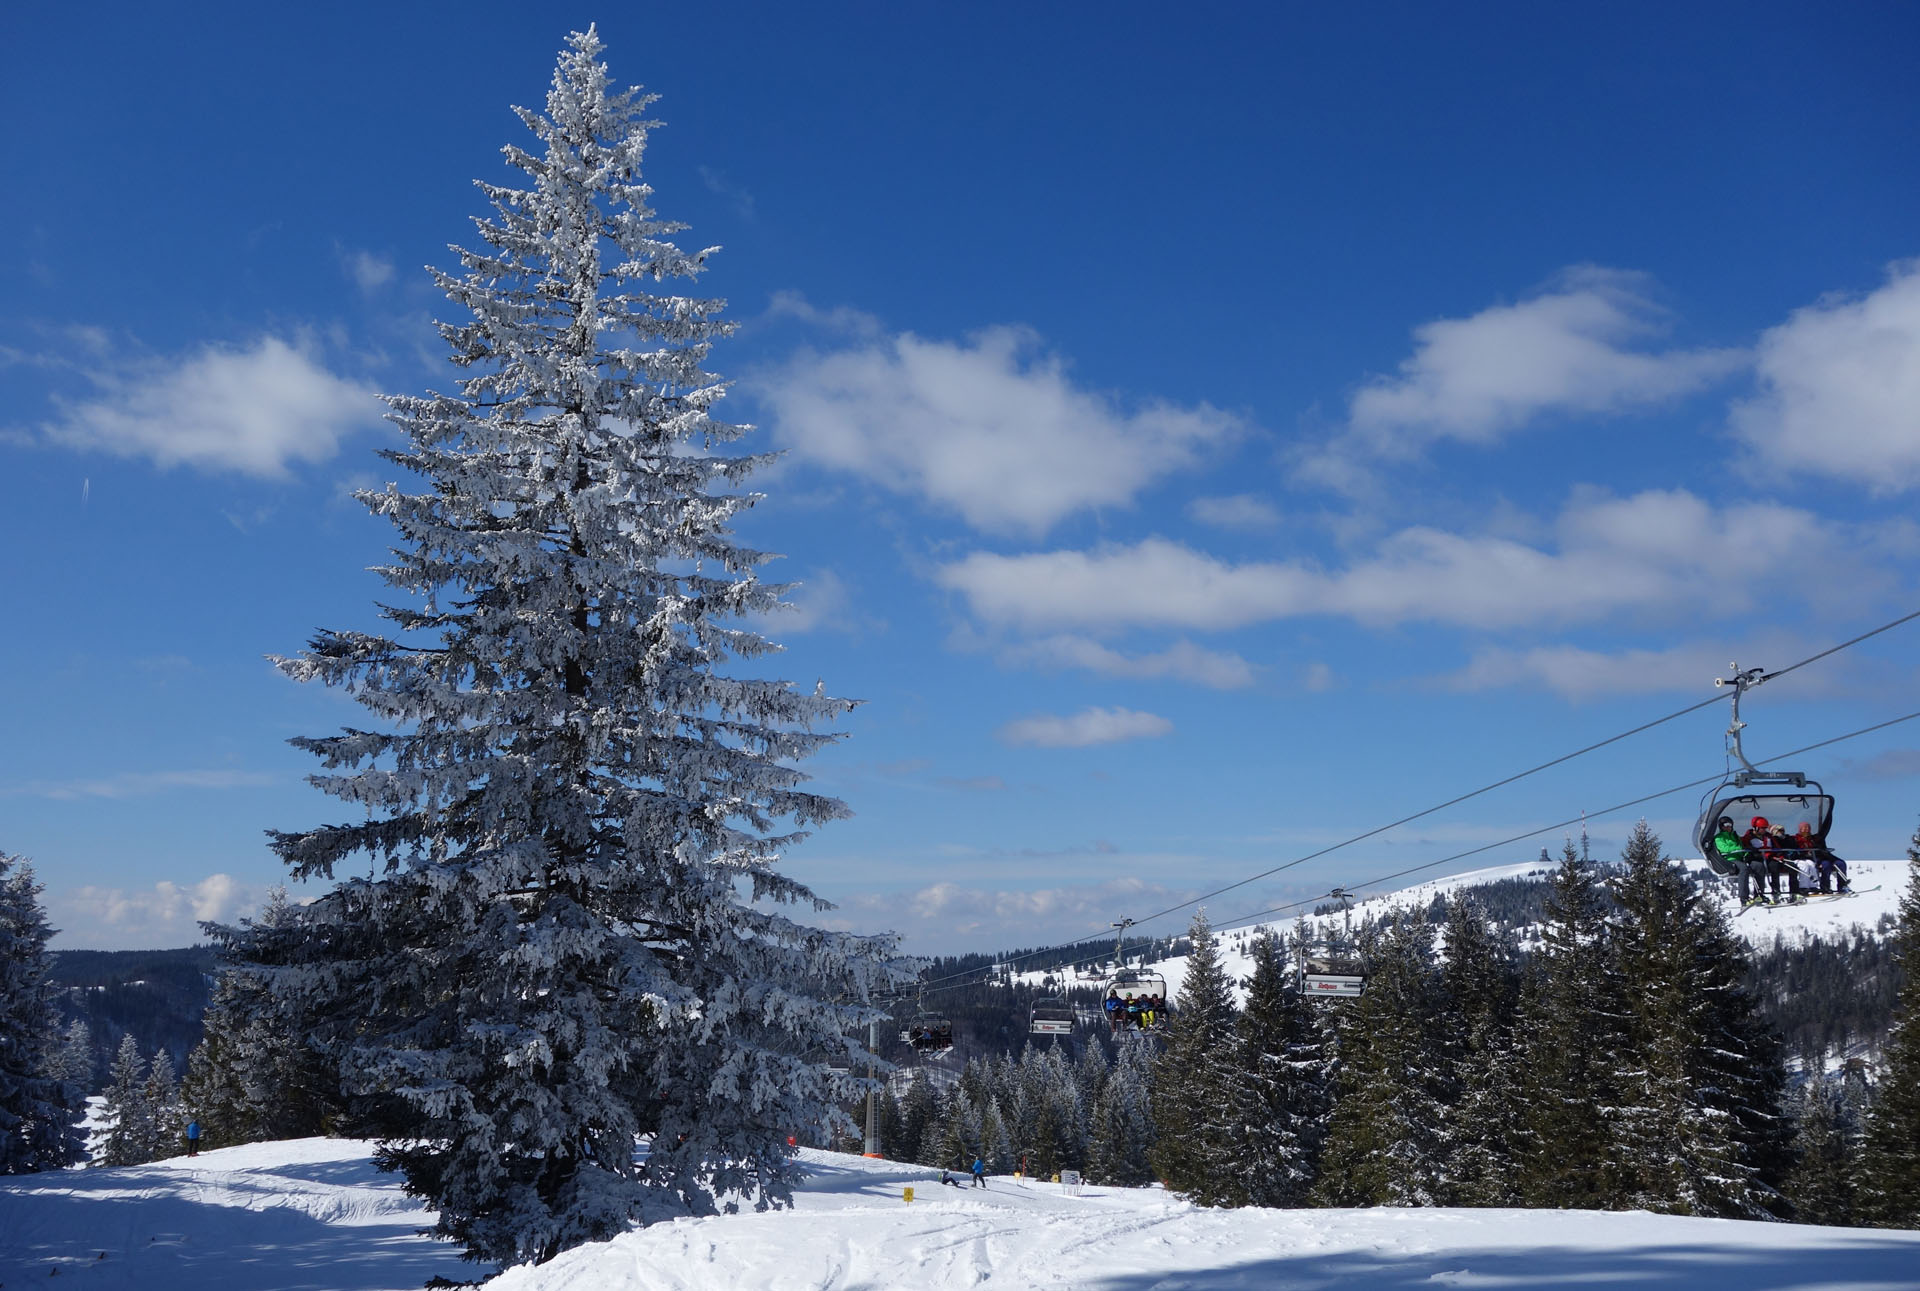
<point>193,1138</point>
<point>979,1173</point>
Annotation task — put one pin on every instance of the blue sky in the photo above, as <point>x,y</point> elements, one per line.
<point>1208,436</point>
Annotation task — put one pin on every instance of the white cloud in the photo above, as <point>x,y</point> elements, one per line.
<point>1181,661</point>
<point>254,410</point>
<point>368,271</point>
<point>973,783</point>
<point>1840,389</point>
<point>1241,511</point>
<point>1318,678</point>
<point>843,319</point>
<point>166,914</point>
<point>1654,551</point>
<point>1579,673</point>
<point>989,428</point>
<point>1080,730</point>
<point>1565,350</point>
<point>820,601</point>
<point>134,784</point>
<point>718,184</point>
<point>1891,764</point>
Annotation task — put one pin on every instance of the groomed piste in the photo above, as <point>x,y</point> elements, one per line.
<point>315,1214</point>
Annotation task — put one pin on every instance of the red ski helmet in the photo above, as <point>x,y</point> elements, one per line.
<point>1759,822</point>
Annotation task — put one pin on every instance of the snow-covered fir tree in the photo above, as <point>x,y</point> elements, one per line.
<point>1480,985</point>
<point>996,1142</point>
<point>1121,1150</point>
<point>1388,1141</point>
<point>254,1076</point>
<point>1822,1183</point>
<point>1282,1085</point>
<point>129,1121</point>
<point>567,937</point>
<point>161,1095</point>
<point>1193,1080</point>
<point>1571,1041</point>
<point>1890,1168</point>
<point>959,1136</point>
<point>1697,1123</point>
<point>40,1104</point>
<point>72,1059</point>
<point>919,1117</point>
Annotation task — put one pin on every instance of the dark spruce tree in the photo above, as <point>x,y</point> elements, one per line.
<point>1388,1141</point>
<point>1480,985</point>
<point>572,802</point>
<point>1120,1153</point>
<point>1193,1080</point>
<point>1822,1183</point>
<point>1698,1120</point>
<point>1890,1182</point>
<point>1282,1088</point>
<point>254,1076</point>
<point>1570,1043</point>
<point>40,1101</point>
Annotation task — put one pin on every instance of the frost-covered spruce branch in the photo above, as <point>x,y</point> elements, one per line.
<point>569,939</point>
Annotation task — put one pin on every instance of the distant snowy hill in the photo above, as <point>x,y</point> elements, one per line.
<point>315,1214</point>
<point>1824,918</point>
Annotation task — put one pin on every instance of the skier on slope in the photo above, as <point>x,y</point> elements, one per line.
<point>979,1173</point>
<point>1748,865</point>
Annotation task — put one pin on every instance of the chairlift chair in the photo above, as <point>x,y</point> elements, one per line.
<point>1050,1015</point>
<point>1787,798</point>
<point>1332,971</point>
<point>929,1034</point>
<point>1131,984</point>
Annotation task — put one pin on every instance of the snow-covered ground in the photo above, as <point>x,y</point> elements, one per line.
<point>314,1214</point>
<point>1828,919</point>
<point>309,1215</point>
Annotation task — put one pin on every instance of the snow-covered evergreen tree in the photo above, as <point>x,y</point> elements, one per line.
<point>1822,1182</point>
<point>919,1120</point>
<point>1890,1169</point>
<point>959,1137</point>
<point>1282,1085</point>
<point>1571,1038</point>
<point>1698,1122</point>
<point>254,1076</point>
<point>572,802</point>
<point>129,1121</point>
<point>1388,1141</point>
<point>997,1149</point>
<point>40,1105</point>
<point>1193,1080</point>
<point>1120,1153</point>
<point>1481,989</point>
<point>73,1056</point>
<point>161,1095</point>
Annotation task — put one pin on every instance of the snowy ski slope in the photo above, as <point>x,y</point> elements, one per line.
<point>314,1214</point>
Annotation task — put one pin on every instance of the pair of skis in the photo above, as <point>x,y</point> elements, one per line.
<point>1818,898</point>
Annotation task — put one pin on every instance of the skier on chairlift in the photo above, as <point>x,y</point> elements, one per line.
<point>1748,864</point>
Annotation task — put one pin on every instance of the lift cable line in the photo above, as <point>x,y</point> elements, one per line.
<point>1499,784</point>
<point>1457,856</point>
<point>1485,789</point>
<point>1571,820</point>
